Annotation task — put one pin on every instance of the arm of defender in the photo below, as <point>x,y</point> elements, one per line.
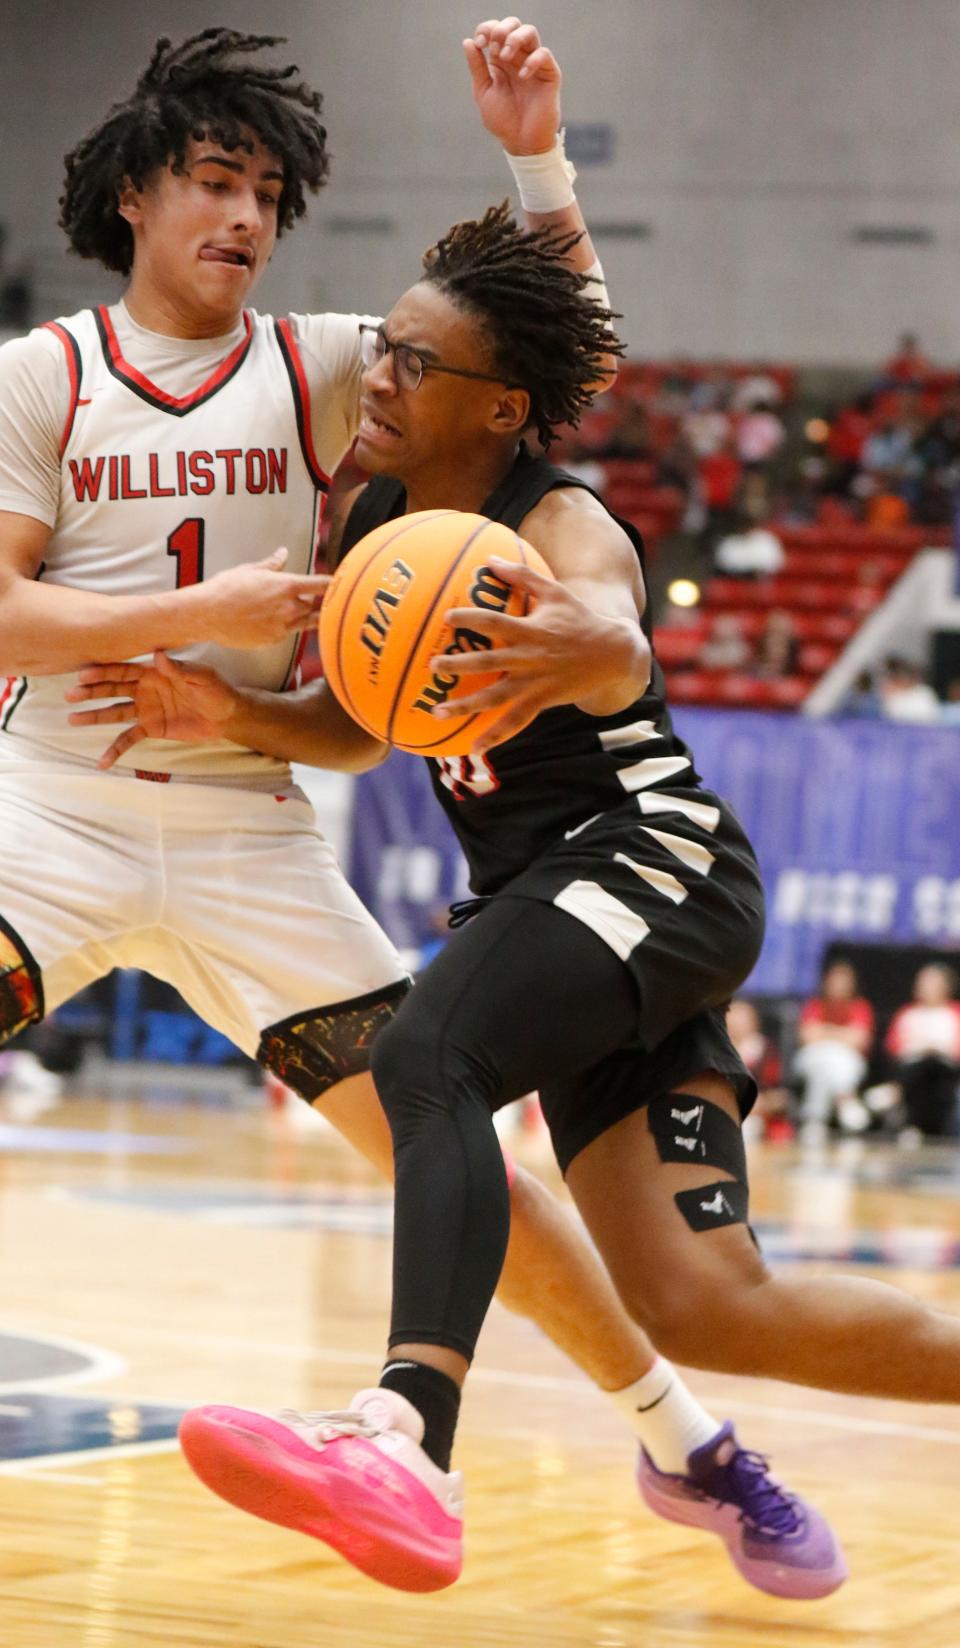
<point>188,703</point>
<point>46,629</point>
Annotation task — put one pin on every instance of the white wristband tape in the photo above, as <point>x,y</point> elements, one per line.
<point>544,181</point>
<point>597,289</point>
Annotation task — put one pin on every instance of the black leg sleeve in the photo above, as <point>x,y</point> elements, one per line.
<point>521,994</point>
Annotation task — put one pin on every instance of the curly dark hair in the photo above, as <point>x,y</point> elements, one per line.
<point>206,87</point>
<point>545,336</point>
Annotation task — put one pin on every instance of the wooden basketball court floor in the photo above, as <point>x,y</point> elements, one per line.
<point>155,1254</point>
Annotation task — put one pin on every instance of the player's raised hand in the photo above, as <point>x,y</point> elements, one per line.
<point>516,84</point>
<point>257,605</point>
<point>181,702</point>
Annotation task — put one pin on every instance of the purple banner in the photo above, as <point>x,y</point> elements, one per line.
<point>856,825</point>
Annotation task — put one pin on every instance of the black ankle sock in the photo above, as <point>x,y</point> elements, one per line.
<point>434,1395</point>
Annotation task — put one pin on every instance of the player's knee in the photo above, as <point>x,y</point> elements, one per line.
<point>21,987</point>
<point>701,1316</point>
<point>311,1052</point>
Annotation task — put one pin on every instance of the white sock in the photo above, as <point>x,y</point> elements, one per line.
<point>666,1418</point>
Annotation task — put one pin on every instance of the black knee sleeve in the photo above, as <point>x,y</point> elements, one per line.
<point>21,988</point>
<point>314,1051</point>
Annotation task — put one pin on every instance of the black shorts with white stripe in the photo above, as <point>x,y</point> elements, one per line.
<point>671,884</point>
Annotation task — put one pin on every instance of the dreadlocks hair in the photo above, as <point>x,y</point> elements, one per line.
<point>546,336</point>
<point>207,87</point>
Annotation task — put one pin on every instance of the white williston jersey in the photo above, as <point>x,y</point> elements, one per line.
<point>159,489</point>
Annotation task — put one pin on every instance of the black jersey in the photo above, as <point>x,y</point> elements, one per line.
<point>508,806</point>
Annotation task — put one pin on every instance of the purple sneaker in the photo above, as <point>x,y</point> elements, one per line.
<point>776,1541</point>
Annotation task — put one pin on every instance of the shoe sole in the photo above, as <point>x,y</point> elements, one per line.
<point>779,1580</point>
<point>350,1496</point>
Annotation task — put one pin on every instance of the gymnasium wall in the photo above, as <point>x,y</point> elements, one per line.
<point>752,138</point>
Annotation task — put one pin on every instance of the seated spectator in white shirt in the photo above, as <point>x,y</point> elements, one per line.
<point>924,1041</point>
<point>752,551</point>
<point>835,1035</point>
<point>905,695</point>
<point>726,647</point>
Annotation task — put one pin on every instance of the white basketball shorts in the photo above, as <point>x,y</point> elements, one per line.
<point>232,896</point>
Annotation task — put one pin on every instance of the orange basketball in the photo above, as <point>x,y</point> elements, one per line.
<point>384,618</point>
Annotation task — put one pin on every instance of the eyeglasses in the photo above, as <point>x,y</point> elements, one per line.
<point>408,364</point>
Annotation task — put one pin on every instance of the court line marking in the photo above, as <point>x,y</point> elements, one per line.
<point>61,1478</point>
<point>99,1364</point>
<point>527,1381</point>
<point>37,1465</point>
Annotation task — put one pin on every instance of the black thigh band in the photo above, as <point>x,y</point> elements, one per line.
<point>688,1129</point>
<point>21,988</point>
<point>313,1051</point>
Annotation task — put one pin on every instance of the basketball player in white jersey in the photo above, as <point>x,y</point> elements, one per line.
<point>150,453</point>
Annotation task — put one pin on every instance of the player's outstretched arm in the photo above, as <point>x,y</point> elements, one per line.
<point>516,87</point>
<point>190,704</point>
<point>47,629</point>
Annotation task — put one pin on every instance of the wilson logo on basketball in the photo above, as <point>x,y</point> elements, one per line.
<point>493,595</point>
<point>387,598</point>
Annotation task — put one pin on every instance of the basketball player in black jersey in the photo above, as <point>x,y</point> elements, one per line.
<point>618,907</point>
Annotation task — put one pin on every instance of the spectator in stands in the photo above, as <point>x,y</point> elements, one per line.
<point>630,436</point>
<point>862,701</point>
<point>908,364</point>
<point>905,695</point>
<point>772,1109</point>
<point>939,443</point>
<point>726,647</point>
<point>777,649</point>
<point>887,453</point>
<point>756,389</point>
<point>835,1034</point>
<point>759,436</point>
<point>749,551</point>
<point>708,423</point>
<point>924,1041</point>
<point>849,431</point>
<point>937,450</point>
<point>885,510</point>
<point>718,482</point>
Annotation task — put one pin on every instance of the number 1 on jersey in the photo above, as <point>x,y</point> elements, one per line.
<point>186,543</point>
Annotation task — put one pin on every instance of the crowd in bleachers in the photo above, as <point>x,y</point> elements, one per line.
<point>841,1077</point>
<point>799,525</point>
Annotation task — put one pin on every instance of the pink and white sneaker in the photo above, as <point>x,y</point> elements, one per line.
<point>359,1480</point>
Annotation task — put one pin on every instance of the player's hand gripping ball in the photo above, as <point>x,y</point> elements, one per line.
<point>384,618</point>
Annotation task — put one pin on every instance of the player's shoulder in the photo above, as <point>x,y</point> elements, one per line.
<point>36,361</point>
<point>569,507</point>
<point>333,339</point>
<point>46,341</point>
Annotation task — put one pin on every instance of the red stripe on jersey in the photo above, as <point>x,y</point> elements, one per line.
<point>8,687</point>
<point>72,352</point>
<point>298,380</point>
<point>139,381</point>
